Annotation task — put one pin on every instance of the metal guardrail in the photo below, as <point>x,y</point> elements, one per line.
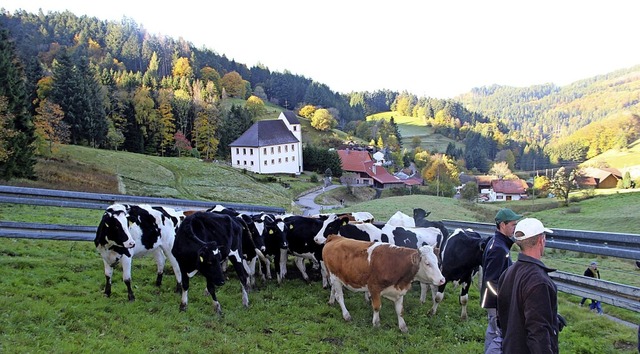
<point>619,295</point>
<point>71,199</point>
<point>47,231</point>
<point>600,243</point>
<point>613,244</point>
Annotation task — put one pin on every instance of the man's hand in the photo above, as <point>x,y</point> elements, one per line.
<point>561,322</point>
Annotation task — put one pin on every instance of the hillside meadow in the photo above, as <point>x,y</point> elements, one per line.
<point>51,291</point>
<point>411,127</point>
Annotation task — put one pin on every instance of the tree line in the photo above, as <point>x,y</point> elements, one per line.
<point>111,84</point>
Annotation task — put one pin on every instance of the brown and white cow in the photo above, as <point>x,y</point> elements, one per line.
<point>378,268</point>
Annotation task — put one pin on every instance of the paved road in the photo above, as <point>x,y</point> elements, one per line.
<point>309,207</point>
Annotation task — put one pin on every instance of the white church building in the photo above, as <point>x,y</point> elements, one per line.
<point>270,146</point>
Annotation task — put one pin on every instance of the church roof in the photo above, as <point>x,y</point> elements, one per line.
<point>265,133</point>
<point>291,117</point>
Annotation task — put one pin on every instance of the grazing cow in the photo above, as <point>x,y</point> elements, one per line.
<point>401,219</point>
<point>420,219</point>
<point>411,237</point>
<point>380,269</point>
<point>461,259</point>
<point>203,241</point>
<point>252,240</point>
<point>273,231</point>
<point>301,231</point>
<point>356,216</point>
<point>128,231</point>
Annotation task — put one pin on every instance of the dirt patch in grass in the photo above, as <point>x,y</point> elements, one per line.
<point>69,175</point>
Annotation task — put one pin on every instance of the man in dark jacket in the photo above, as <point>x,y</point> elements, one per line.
<point>495,260</point>
<point>528,298</point>
<point>593,272</point>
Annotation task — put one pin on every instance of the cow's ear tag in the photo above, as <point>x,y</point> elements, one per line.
<point>201,259</point>
<point>290,226</point>
<point>344,222</point>
<point>270,232</point>
<point>130,222</point>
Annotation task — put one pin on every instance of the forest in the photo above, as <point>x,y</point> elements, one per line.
<point>113,85</point>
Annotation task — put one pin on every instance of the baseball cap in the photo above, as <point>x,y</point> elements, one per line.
<point>530,227</point>
<point>506,215</point>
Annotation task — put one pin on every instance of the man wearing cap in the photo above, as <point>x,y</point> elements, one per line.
<point>495,260</point>
<point>528,298</point>
<point>593,272</point>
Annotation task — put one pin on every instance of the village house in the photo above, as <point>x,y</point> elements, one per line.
<point>270,146</point>
<point>360,169</point>
<point>592,177</point>
<point>494,189</point>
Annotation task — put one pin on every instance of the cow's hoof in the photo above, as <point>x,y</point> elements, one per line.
<point>463,317</point>
<point>132,298</point>
<point>183,307</point>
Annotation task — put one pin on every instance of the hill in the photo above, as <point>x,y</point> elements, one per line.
<point>412,127</point>
<point>107,171</point>
<point>553,111</point>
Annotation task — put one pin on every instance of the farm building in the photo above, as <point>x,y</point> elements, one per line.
<point>270,146</point>
<point>593,177</point>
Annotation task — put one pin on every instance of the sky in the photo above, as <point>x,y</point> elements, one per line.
<point>436,49</point>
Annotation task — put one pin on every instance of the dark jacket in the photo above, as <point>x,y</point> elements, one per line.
<point>527,308</point>
<point>590,273</point>
<point>495,260</point>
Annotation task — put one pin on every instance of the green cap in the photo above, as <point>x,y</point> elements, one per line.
<point>506,215</point>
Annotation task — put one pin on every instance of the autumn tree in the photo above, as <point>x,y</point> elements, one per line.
<point>442,175</point>
<point>541,185</point>
<point>50,127</point>
<point>233,85</point>
<point>167,123</point>
<point>323,120</point>
<point>182,68</point>
<point>182,144</point>
<point>307,111</point>
<point>205,128</point>
<point>502,171</point>
<point>255,106</point>
<point>562,183</point>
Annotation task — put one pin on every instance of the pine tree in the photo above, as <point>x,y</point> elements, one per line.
<point>21,160</point>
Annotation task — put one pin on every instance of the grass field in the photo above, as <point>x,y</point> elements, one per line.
<point>411,127</point>
<point>52,301</point>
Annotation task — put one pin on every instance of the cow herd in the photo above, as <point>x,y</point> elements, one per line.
<point>351,250</point>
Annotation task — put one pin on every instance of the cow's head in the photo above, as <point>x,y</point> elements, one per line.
<point>275,229</point>
<point>331,226</point>
<point>113,229</point>
<point>256,234</point>
<point>209,263</point>
<point>429,272</point>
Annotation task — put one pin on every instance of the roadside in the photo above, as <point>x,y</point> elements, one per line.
<point>307,202</point>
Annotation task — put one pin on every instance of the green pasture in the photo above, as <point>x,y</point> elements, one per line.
<point>52,301</point>
<point>411,127</point>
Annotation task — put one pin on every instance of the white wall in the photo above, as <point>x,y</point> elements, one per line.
<point>276,159</point>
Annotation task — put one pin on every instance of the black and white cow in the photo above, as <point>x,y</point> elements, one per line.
<point>461,259</point>
<point>203,241</point>
<point>411,237</point>
<point>301,232</point>
<point>252,239</point>
<point>128,231</point>
<point>274,233</point>
<point>420,219</point>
